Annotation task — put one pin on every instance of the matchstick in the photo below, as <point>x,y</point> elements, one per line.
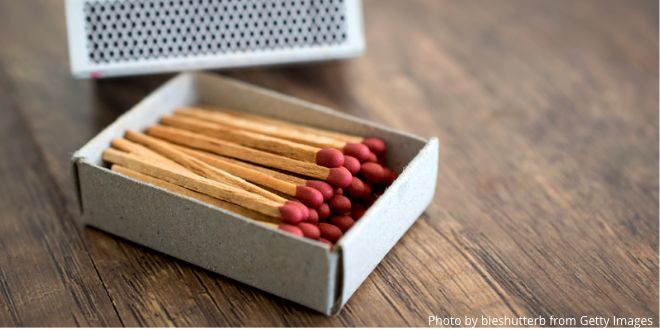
<point>198,166</point>
<point>328,157</point>
<point>324,188</point>
<point>357,150</point>
<point>308,196</point>
<point>289,211</point>
<point>134,148</point>
<point>338,177</point>
<point>263,219</point>
<point>302,229</point>
<point>309,214</point>
<point>376,145</point>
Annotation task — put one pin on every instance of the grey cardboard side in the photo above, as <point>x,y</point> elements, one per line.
<point>145,216</point>
<point>385,222</point>
<point>178,91</point>
<point>209,237</point>
<point>345,267</point>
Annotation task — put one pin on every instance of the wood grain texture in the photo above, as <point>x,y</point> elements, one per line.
<point>547,200</point>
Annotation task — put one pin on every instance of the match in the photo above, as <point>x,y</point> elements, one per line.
<point>375,145</point>
<point>327,157</point>
<point>198,166</point>
<point>288,211</point>
<point>286,176</point>
<point>338,177</point>
<point>357,150</point>
<point>324,188</point>
<point>256,216</point>
<point>308,196</point>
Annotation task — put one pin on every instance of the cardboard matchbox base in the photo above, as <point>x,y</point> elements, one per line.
<point>297,269</point>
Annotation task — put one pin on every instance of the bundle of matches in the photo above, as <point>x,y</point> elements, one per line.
<point>306,181</point>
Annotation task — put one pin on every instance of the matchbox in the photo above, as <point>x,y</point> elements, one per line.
<point>128,37</point>
<point>298,269</point>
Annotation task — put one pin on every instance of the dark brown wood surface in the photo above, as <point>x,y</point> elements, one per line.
<point>547,200</point>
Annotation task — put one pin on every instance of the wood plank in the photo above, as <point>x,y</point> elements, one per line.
<point>518,138</point>
<point>62,122</point>
<point>548,188</point>
<point>47,277</point>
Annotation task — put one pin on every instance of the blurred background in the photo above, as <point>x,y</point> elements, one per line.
<point>547,201</point>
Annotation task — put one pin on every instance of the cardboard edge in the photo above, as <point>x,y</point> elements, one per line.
<point>75,158</point>
<point>304,103</point>
<point>367,220</point>
<point>81,154</point>
<point>356,23</point>
<point>199,202</point>
<point>321,249</point>
<point>339,282</point>
<point>432,143</point>
<point>126,117</point>
<point>75,47</point>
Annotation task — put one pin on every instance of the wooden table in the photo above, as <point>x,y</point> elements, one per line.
<point>547,200</point>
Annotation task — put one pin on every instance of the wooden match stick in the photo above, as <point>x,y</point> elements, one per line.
<point>290,212</point>
<point>332,134</point>
<point>328,157</point>
<point>198,166</point>
<point>137,149</point>
<point>325,189</point>
<point>140,150</point>
<point>338,177</point>
<point>376,145</point>
<point>263,219</point>
<point>357,150</point>
<point>308,196</point>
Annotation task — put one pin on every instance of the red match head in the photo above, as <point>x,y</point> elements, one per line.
<point>330,232</point>
<point>323,240</point>
<point>330,157</point>
<point>323,211</point>
<point>376,145</point>
<point>291,229</point>
<point>342,222</point>
<point>339,177</point>
<point>372,172</point>
<point>325,189</point>
<point>304,209</point>
<point>292,212</point>
<point>367,190</point>
<point>372,158</point>
<point>388,176</point>
<point>340,204</point>
<point>357,211</point>
<point>313,217</point>
<point>357,188</point>
<point>357,150</point>
<point>352,164</point>
<point>309,230</point>
<point>369,200</point>
<point>309,196</point>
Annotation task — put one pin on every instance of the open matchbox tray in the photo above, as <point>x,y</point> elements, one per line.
<point>298,269</point>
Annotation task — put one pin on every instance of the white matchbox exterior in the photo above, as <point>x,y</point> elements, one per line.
<point>297,269</point>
